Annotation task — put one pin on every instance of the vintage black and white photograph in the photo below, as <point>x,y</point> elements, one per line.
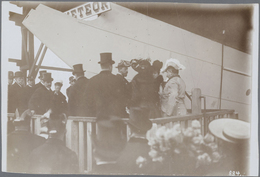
<point>129,88</point>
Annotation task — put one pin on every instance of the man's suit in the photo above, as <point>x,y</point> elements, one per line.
<point>17,98</point>
<point>41,100</point>
<point>104,94</point>
<point>28,91</point>
<point>59,102</point>
<point>76,97</point>
<point>38,85</point>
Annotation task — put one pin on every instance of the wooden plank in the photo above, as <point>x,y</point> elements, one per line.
<point>89,147</point>
<point>196,102</point>
<point>81,155</point>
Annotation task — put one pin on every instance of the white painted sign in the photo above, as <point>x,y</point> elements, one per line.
<point>89,9</point>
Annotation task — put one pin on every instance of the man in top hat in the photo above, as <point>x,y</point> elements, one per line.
<point>134,158</point>
<point>122,73</point>
<point>40,100</point>
<point>17,97</point>
<point>108,142</point>
<point>59,100</point>
<point>76,97</point>
<point>71,82</point>
<point>29,89</point>
<point>104,91</point>
<point>40,84</point>
<point>20,144</point>
<point>233,141</point>
<point>53,157</point>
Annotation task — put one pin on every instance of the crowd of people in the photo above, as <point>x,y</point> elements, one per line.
<point>107,97</point>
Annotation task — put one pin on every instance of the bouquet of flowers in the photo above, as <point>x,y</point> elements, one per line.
<point>182,151</point>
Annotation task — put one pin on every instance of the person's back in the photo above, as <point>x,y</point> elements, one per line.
<point>53,157</point>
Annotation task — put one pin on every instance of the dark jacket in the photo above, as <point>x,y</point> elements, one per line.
<point>11,104</point>
<point>126,95</point>
<point>68,91</point>
<point>76,97</point>
<point>127,161</point>
<point>59,102</point>
<point>28,91</point>
<point>19,145</point>
<point>104,94</point>
<point>144,93</point>
<point>17,98</point>
<point>40,101</point>
<point>38,85</point>
<point>53,157</point>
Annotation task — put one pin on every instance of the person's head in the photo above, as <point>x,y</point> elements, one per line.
<point>58,86</point>
<point>72,80</point>
<point>156,67</point>
<point>10,77</point>
<point>106,62</point>
<point>123,67</point>
<point>19,78</point>
<point>56,125</point>
<point>172,67</point>
<point>42,72</point>
<point>171,71</point>
<point>30,81</point>
<point>78,70</point>
<point>47,80</point>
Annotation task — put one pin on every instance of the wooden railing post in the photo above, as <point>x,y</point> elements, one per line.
<point>72,136</point>
<point>196,103</point>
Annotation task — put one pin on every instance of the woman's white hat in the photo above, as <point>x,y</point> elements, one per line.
<point>230,130</point>
<point>174,63</point>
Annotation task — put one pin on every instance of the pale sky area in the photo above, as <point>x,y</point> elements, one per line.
<point>11,48</point>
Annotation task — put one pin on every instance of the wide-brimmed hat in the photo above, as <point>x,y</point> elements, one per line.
<point>109,140</point>
<point>18,74</point>
<point>78,68</point>
<point>139,118</point>
<point>41,73</point>
<point>10,74</point>
<point>173,63</point>
<point>106,58</point>
<point>47,77</point>
<point>140,65</point>
<point>230,130</point>
<point>123,63</point>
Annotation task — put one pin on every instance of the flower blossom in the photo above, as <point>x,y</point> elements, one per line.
<point>208,138</point>
<point>141,161</point>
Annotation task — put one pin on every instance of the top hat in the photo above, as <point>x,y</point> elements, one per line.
<point>10,74</point>
<point>139,118</point>
<point>18,74</point>
<point>230,130</point>
<point>173,63</point>
<point>41,73</point>
<point>123,63</point>
<point>47,77</point>
<point>106,58</point>
<point>109,140</point>
<point>78,68</point>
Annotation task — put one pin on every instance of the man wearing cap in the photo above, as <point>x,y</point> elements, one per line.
<point>40,100</point>
<point>53,157</point>
<point>104,91</point>
<point>59,100</point>
<point>173,94</point>
<point>20,144</point>
<point>29,89</point>
<point>72,82</point>
<point>134,158</point>
<point>40,84</point>
<point>17,93</point>
<point>126,90</point>
<point>76,93</point>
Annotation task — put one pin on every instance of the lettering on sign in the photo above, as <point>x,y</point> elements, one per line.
<point>89,9</point>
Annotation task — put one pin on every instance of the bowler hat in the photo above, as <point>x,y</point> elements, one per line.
<point>10,74</point>
<point>18,74</point>
<point>139,118</point>
<point>123,63</point>
<point>106,58</point>
<point>230,130</point>
<point>78,68</point>
<point>47,77</point>
<point>109,140</point>
<point>41,73</point>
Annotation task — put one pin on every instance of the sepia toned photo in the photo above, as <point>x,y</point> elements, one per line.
<point>129,88</point>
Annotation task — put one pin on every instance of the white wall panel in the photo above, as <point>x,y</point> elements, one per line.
<point>235,87</point>
<point>244,111</point>
<point>236,60</point>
